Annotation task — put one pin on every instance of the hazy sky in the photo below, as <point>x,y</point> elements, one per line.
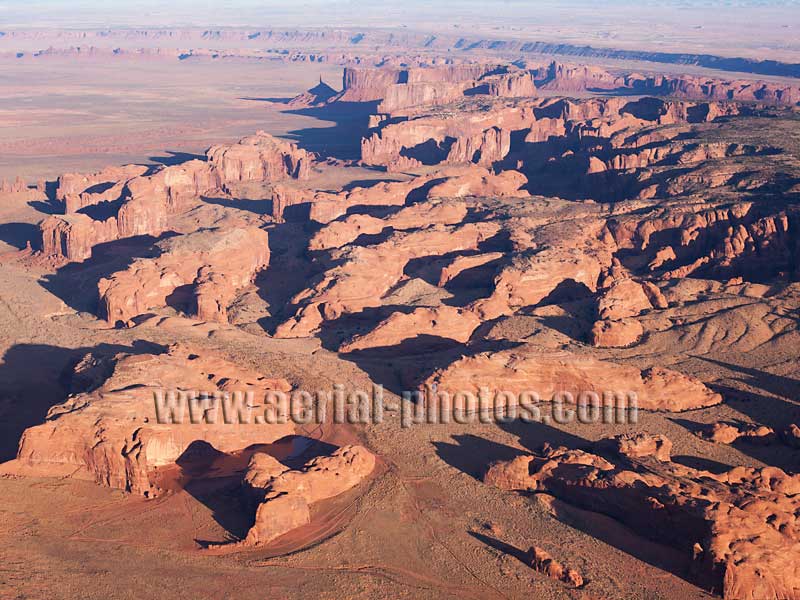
<point>105,13</point>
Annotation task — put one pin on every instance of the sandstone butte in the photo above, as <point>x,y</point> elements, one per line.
<point>738,526</point>
<point>214,263</point>
<point>286,495</point>
<point>149,201</point>
<point>112,434</point>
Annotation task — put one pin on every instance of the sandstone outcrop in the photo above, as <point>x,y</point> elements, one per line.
<point>567,377</point>
<point>480,135</point>
<point>214,263</point>
<point>288,494</point>
<point>366,273</point>
<point>342,232</point>
<point>148,202</point>
<point>260,157</point>
<point>617,306</point>
<point>447,322</point>
<point>15,187</point>
<point>739,526</point>
<point>118,436</point>
<point>78,190</point>
<point>544,563</point>
<point>727,433</point>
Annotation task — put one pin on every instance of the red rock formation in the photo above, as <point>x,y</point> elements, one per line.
<point>15,187</point>
<point>726,433</point>
<point>365,274</point>
<point>77,190</point>
<point>719,239</point>
<point>445,322</point>
<point>216,263</point>
<point>739,526</point>
<point>637,445</point>
<point>316,96</point>
<point>464,263</point>
<point>616,334</point>
<point>531,275</point>
<point>616,307</point>
<point>552,375</point>
<point>482,135</point>
<point>341,233</point>
<point>576,78</point>
<point>544,563</point>
<point>260,157</point>
<point>149,201</point>
<point>73,236</point>
<point>288,494</point>
<point>116,436</point>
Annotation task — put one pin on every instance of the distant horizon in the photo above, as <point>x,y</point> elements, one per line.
<point>93,14</point>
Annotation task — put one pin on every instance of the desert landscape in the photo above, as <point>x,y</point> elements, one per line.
<point>324,301</point>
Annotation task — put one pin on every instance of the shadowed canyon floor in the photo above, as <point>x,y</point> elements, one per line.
<point>449,229</point>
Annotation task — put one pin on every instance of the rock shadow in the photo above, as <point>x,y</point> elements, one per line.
<point>173,157</point>
<point>76,283</point>
<point>289,271</point>
<point>472,454</point>
<point>36,377</point>
<point>342,140</point>
<point>19,234</point>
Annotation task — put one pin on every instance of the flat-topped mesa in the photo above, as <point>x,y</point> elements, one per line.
<point>288,494</point>
<point>558,77</point>
<point>399,89</point>
<point>260,157</point>
<point>370,84</point>
<point>119,436</point>
<point>214,263</point>
<point>739,527</point>
<point>483,135</point>
<point>570,377</point>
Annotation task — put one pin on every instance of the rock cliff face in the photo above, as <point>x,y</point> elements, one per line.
<point>287,495</point>
<point>147,202</point>
<point>738,526</point>
<point>213,263</point>
<point>363,85</point>
<point>485,136</point>
<point>570,378</point>
<point>570,78</point>
<point>261,157</point>
<point>366,273</point>
<point>401,89</point>
<point>117,436</point>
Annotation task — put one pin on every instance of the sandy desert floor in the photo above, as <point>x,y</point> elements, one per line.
<point>62,115</point>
